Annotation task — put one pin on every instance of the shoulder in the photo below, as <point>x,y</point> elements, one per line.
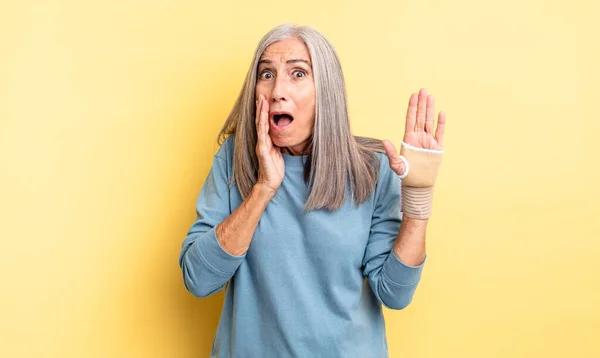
<point>385,171</point>
<point>378,160</point>
<point>388,182</point>
<point>225,151</point>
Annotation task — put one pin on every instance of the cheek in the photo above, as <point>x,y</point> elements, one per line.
<point>259,89</point>
<point>306,104</point>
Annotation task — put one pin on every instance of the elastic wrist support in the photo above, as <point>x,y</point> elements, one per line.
<point>419,179</point>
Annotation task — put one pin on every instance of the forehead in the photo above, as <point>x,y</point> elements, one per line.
<point>286,49</point>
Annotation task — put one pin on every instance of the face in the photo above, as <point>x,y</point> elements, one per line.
<point>285,79</point>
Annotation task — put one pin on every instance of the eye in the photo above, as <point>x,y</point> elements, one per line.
<point>266,75</point>
<point>299,73</point>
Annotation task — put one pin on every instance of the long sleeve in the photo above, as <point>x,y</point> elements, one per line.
<point>205,265</point>
<point>392,281</point>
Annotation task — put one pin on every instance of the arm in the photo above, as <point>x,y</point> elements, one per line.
<point>394,276</point>
<point>409,246</point>
<point>219,239</point>
<point>235,233</point>
<point>210,258</point>
<point>211,254</point>
<point>392,279</point>
<point>422,152</point>
<point>206,266</point>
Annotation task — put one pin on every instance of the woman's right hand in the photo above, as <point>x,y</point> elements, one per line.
<point>271,167</point>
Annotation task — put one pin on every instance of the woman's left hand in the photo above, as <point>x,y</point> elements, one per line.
<point>420,123</point>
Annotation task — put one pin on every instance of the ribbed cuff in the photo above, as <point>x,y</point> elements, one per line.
<point>214,255</point>
<point>401,273</point>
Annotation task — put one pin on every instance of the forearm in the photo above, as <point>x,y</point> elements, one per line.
<point>235,233</point>
<point>409,246</point>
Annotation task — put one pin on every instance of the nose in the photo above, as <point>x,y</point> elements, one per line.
<point>279,91</point>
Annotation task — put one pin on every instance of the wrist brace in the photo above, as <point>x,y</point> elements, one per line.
<point>418,180</point>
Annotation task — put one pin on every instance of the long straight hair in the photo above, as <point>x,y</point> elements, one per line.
<point>336,158</point>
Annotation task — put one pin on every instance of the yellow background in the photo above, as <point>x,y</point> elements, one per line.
<point>109,112</point>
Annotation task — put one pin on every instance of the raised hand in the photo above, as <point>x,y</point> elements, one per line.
<point>271,167</point>
<point>419,132</point>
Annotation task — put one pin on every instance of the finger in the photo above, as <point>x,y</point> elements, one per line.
<point>261,131</point>
<point>421,110</point>
<point>258,117</point>
<point>430,118</point>
<point>264,120</point>
<point>396,163</point>
<point>257,108</point>
<point>439,132</point>
<point>411,113</point>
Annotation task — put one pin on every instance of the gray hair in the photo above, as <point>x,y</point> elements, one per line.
<point>335,157</point>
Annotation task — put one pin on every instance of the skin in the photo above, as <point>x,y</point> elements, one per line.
<point>286,80</point>
<point>282,87</point>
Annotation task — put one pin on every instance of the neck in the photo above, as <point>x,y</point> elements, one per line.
<point>294,151</point>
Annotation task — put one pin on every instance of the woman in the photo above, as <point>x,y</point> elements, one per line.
<point>301,221</point>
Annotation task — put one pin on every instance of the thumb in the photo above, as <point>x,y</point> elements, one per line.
<point>396,163</point>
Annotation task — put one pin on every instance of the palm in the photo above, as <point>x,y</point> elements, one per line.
<point>420,130</point>
<point>274,166</point>
<point>422,140</point>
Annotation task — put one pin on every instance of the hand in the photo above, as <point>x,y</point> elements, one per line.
<point>419,132</point>
<point>271,167</point>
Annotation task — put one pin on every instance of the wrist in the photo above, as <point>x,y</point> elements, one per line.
<point>417,203</point>
<point>263,192</point>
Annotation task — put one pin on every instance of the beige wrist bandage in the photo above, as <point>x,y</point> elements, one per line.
<point>418,180</point>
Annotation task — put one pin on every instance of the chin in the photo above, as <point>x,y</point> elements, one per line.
<point>282,142</point>
<point>286,142</point>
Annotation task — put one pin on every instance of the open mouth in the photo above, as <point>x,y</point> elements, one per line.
<point>282,119</point>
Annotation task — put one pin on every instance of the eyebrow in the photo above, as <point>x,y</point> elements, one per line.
<point>293,60</point>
